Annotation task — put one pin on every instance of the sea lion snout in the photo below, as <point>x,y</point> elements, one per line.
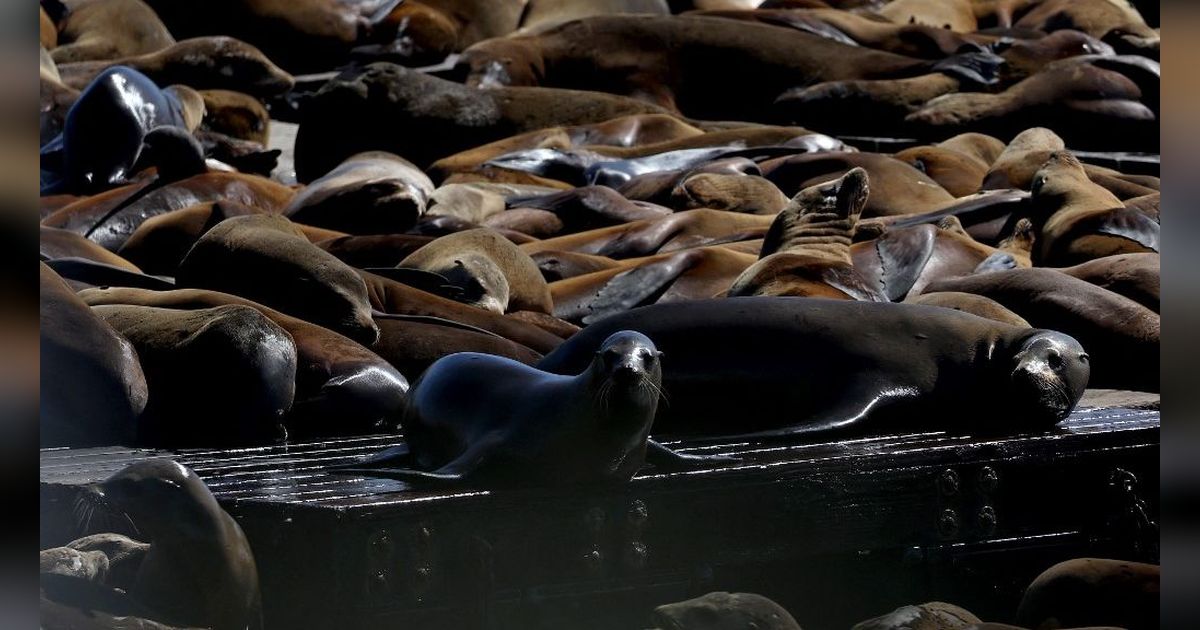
<point>629,356</point>
<point>1054,369</point>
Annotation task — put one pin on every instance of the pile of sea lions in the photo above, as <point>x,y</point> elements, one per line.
<point>534,236</point>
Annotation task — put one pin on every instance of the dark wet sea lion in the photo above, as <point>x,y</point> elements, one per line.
<point>380,250</point>
<point>199,570</point>
<point>203,63</point>
<point>681,58</point>
<point>682,230</point>
<point>392,297</point>
<point>493,273</point>
<point>56,243</point>
<point>430,118</point>
<point>526,426</point>
<point>341,386</point>
<point>969,303</point>
<point>266,259</point>
<point>369,193</point>
<point>82,215</point>
<point>814,366</point>
<point>1121,335</point>
<point>236,114</point>
<point>223,376</point>
<point>724,611</point>
<point>1093,592</point>
<point>806,252</point>
<point>1135,276</point>
<point>896,187</point>
<point>110,29</point>
<point>93,388</point>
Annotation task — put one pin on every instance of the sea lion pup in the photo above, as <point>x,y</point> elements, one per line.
<point>110,218</point>
<point>93,387</point>
<point>267,259</point>
<point>430,118</point>
<point>670,49</point>
<point>55,243</point>
<point>341,386</point>
<point>896,187</point>
<point>1135,276</point>
<point>806,252</point>
<point>1079,220</point>
<point>681,230</point>
<point>374,192</point>
<point>1093,592</point>
<point>724,611</point>
<point>493,273</point>
<point>969,303</point>
<point>110,29</point>
<point>236,114</point>
<point>928,615</point>
<point>203,63</point>
<point>199,569</point>
<point>692,274</point>
<point>1078,95</point>
<point>811,366</point>
<point>1121,335</point>
<point>526,426</point>
<point>223,376</point>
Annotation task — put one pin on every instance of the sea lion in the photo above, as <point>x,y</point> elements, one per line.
<point>969,303</point>
<point>810,366</point>
<point>55,243</point>
<point>1024,57</point>
<point>1115,22</point>
<point>927,616</point>
<point>559,265</point>
<point>980,146</point>
<point>81,273</point>
<point>1121,335</point>
<point>93,387</point>
<point>106,128</point>
<point>532,221</point>
<point>412,344</point>
<point>527,426</point>
<point>222,376</point>
<point>110,29</point>
<point>341,386</point>
<point>369,193</point>
<point>589,207</point>
<point>110,218</point>
<point>958,173</point>
<point>540,14</point>
<point>236,114</point>
<point>1135,276</point>
<point>862,106</point>
<point>493,273</point>
<point>1015,166</point>
<point>199,569</point>
<point>266,259</point>
<point>429,118</point>
<point>724,611</point>
<point>161,241</point>
<point>952,15</point>
<point>681,58</point>
<point>203,63</point>
<point>380,250</point>
<point>1093,592</point>
<point>682,230</point>
<point>1078,220</point>
<point>733,185</point>
<point>896,187</point>
<point>806,252</point>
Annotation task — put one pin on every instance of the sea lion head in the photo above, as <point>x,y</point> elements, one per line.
<point>483,283</point>
<point>235,60</point>
<point>628,359</point>
<point>160,497</point>
<point>724,611</point>
<point>1049,373</point>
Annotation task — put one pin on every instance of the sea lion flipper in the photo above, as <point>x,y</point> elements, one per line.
<point>393,456</point>
<point>666,459</point>
<point>638,286</point>
<point>998,261</point>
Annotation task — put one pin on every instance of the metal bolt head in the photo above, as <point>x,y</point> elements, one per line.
<point>987,520</point>
<point>989,479</point>
<point>948,523</point>
<point>636,554</point>
<point>638,512</point>
<point>948,482</point>
<point>593,560</point>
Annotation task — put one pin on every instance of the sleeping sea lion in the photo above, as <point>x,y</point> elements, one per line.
<point>369,193</point>
<point>493,273</point>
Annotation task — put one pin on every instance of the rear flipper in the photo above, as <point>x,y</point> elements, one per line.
<point>387,458</point>
<point>976,67</point>
<point>457,470</point>
<point>666,459</point>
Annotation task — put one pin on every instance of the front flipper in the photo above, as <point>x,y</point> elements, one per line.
<point>666,459</point>
<point>457,470</point>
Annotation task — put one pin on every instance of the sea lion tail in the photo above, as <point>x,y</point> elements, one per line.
<point>974,67</point>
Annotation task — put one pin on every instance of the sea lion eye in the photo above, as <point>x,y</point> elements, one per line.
<point>1083,357</point>
<point>1054,359</point>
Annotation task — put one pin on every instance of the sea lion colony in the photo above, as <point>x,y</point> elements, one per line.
<point>533,235</point>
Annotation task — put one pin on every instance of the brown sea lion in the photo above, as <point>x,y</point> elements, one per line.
<point>731,184</point>
<point>493,273</point>
<point>1146,204</point>
<point>47,30</point>
<point>983,147</point>
<point>161,242</point>
<point>559,265</point>
<point>590,207</point>
<point>369,193</point>
<point>1079,220</point>
<point>1024,57</point>
<point>858,106</point>
<point>396,298</point>
<point>429,118</point>
<point>953,15</point>
<point>1120,335</point>
<point>927,616</point>
<point>724,611</point>
<point>413,344</point>
<point>960,174</point>
<point>682,230</point>
<point>969,303</point>
<point>670,50</point>
<point>806,252</point>
<point>203,63</point>
<point>1021,158</point>
<point>1093,592</point>
<point>109,29</point>
<point>532,221</point>
<point>1114,21</point>
<point>92,214</point>
<point>223,376</point>
<point>896,187</point>
<point>236,114</point>
<point>56,243</point>
<point>341,386</point>
<point>92,389</point>
<point>476,201</point>
<point>539,14</point>
<point>380,250</point>
<point>1135,276</point>
<point>267,259</point>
